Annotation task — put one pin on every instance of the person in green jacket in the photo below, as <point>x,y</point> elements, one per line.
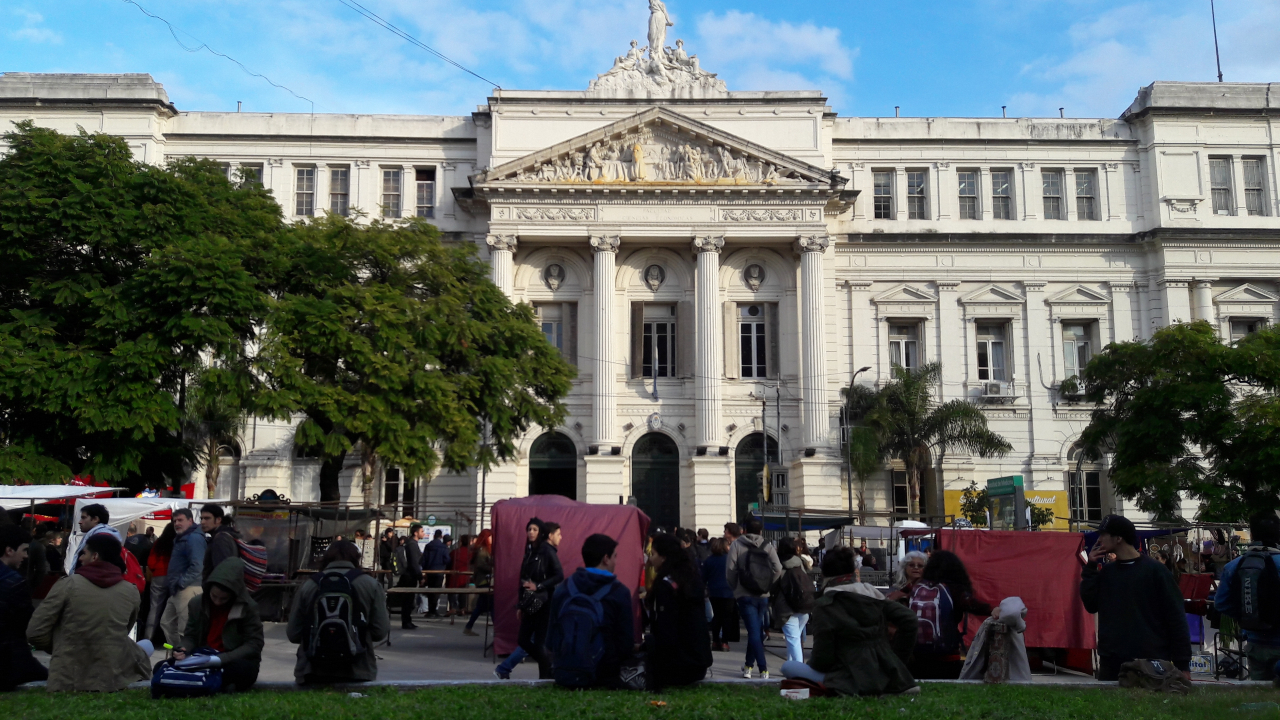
<point>224,618</point>
<point>371,604</point>
<point>853,652</point>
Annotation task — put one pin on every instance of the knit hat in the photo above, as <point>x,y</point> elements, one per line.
<point>1119,526</point>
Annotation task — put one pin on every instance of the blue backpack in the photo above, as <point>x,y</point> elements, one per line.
<point>170,681</point>
<point>579,639</point>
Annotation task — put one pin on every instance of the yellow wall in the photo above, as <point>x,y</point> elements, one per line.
<point>1056,499</point>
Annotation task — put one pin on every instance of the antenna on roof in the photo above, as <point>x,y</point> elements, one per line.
<point>1214,16</point>
<point>1004,111</point>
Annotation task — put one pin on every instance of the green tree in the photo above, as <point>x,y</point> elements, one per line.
<point>1041,516</point>
<point>1185,414</point>
<point>384,337</point>
<point>863,446</point>
<point>914,428</point>
<point>974,504</point>
<point>119,283</point>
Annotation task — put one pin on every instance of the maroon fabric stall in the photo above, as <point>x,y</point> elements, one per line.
<point>1042,568</point>
<point>624,523</point>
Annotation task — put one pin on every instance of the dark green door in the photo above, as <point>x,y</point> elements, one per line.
<point>655,479</point>
<point>553,466</point>
<point>749,463</point>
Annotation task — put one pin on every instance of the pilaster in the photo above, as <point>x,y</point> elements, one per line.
<point>1122,297</point>
<point>950,349</point>
<point>1177,301</point>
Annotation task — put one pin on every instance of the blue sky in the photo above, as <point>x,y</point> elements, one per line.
<point>958,58</point>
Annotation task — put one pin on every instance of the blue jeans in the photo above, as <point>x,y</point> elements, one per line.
<point>754,612</point>
<point>796,669</point>
<point>515,658</point>
<point>793,631</point>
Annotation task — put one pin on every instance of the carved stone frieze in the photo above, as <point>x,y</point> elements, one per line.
<point>763,215</point>
<point>553,214</point>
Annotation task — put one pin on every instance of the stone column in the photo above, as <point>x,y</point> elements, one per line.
<point>501,250</point>
<point>706,381</point>
<point>1122,299</point>
<point>813,379</point>
<point>604,405</point>
<point>1202,292</point>
<point>950,350</point>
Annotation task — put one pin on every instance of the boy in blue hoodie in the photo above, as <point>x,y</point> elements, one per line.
<point>617,626</point>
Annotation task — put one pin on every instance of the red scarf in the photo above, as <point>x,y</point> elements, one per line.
<point>217,621</point>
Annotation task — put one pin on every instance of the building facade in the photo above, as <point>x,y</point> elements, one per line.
<point>718,265</point>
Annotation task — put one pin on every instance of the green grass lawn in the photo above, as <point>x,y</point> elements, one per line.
<point>718,702</point>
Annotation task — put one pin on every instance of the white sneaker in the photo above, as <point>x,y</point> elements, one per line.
<point>746,671</point>
<point>764,674</point>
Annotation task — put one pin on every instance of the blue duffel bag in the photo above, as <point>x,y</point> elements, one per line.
<point>170,681</point>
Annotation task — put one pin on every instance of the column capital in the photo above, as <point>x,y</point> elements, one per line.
<point>605,243</point>
<point>501,242</point>
<point>1202,284</point>
<point>813,243</point>
<point>708,243</point>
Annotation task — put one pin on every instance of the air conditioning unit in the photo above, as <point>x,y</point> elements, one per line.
<point>997,391</point>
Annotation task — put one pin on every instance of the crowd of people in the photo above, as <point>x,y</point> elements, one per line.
<point>186,589</point>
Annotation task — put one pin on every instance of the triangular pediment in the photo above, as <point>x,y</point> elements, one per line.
<point>672,149</point>
<point>1078,294</point>
<point>1246,293</point>
<point>905,294</point>
<point>992,293</point>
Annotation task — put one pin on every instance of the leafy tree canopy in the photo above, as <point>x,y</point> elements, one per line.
<point>119,282</point>
<point>385,336</point>
<point>1187,415</point>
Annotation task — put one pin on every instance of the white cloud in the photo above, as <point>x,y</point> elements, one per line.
<point>1121,49</point>
<point>31,30</point>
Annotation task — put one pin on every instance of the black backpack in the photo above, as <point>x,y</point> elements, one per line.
<point>578,643</point>
<point>338,623</point>
<point>797,588</point>
<point>755,572</point>
<point>1257,585</point>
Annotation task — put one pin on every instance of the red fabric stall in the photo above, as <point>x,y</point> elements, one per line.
<point>624,523</point>
<point>1042,568</point>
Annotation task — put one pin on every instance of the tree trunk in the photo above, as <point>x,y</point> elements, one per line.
<point>329,488</point>
<point>913,487</point>
<point>212,469</point>
<point>368,473</point>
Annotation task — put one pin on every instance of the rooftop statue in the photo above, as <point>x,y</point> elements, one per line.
<point>666,72</point>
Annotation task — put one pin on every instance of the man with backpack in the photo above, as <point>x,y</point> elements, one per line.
<point>592,630</point>
<point>752,569</point>
<point>222,538</point>
<point>1139,606</point>
<point>1249,593</point>
<point>337,618</point>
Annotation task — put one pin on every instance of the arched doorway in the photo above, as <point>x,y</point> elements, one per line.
<point>749,463</point>
<point>655,478</point>
<point>553,466</point>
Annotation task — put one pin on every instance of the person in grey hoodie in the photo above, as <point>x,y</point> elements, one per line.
<point>753,606</point>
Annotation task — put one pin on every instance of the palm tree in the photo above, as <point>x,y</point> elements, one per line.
<point>912,426</point>
<point>211,422</point>
<point>863,445</point>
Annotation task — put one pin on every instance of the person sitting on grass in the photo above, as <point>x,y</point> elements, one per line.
<point>84,624</point>
<point>591,632</point>
<point>853,650</point>
<point>370,620</point>
<point>679,645</point>
<point>224,618</point>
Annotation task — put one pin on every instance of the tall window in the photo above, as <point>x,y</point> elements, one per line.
<point>753,341</point>
<point>904,345</point>
<point>658,354</point>
<point>883,181</point>
<point>901,493</point>
<point>1051,180</point>
<point>1084,489</point>
<point>1220,183</point>
<point>917,201</point>
<point>1244,327</point>
<point>1086,194</point>
<point>1001,194</point>
<point>550,317</point>
<point>340,190</point>
<point>1255,186</point>
<point>305,192</point>
<point>1075,348</point>
<point>991,352</point>
<point>968,194</point>
<point>426,179</point>
<point>390,193</point>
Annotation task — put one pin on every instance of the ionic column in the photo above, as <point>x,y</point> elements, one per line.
<point>706,380</point>
<point>812,375</point>
<point>501,249</point>
<point>604,404</point>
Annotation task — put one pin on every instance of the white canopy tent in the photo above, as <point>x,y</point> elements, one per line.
<point>16,497</point>
<point>123,511</point>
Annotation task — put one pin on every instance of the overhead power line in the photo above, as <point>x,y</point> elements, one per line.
<point>204,46</point>
<point>371,15</point>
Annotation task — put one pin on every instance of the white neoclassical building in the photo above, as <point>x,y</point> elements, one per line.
<point>719,264</point>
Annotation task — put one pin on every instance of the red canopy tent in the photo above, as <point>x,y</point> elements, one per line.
<point>1042,568</point>
<point>624,523</point>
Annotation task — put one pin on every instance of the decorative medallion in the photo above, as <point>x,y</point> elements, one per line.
<point>754,277</point>
<point>655,421</point>
<point>654,276</point>
<point>553,276</point>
